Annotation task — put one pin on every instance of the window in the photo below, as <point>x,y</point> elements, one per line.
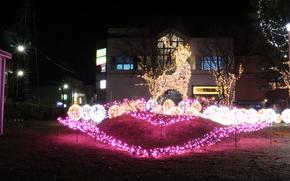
<point>211,63</point>
<point>103,68</point>
<point>124,63</point>
<point>103,84</point>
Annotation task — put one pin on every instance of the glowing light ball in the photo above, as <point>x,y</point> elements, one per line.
<point>158,109</point>
<point>210,112</point>
<point>74,112</point>
<point>115,111</point>
<point>224,116</point>
<point>192,112</point>
<point>85,112</point>
<point>175,111</point>
<point>168,103</point>
<point>98,113</point>
<point>267,115</point>
<point>251,116</point>
<point>237,116</point>
<point>286,115</point>
<point>151,104</point>
<point>183,105</point>
<point>196,105</point>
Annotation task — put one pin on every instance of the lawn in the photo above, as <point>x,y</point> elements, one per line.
<point>45,150</point>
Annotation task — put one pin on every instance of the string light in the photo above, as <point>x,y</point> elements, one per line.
<point>98,113</point>
<point>85,112</point>
<point>74,112</point>
<point>274,30</point>
<point>226,82</point>
<point>178,80</point>
<point>208,139</point>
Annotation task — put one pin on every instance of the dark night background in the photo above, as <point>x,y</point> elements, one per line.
<point>67,32</point>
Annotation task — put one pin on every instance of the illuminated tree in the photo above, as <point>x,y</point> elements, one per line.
<point>223,67</point>
<point>272,16</point>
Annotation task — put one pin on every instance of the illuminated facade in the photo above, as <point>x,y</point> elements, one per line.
<point>118,76</point>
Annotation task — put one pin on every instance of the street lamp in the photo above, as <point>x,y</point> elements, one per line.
<point>65,86</point>
<point>20,73</point>
<point>21,48</point>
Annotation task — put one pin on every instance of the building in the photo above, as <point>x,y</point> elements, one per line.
<point>117,69</point>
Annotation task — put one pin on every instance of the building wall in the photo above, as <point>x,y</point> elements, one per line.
<point>251,88</point>
<point>126,84</point>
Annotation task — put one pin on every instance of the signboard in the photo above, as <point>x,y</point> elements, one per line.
<point>205,90</point>
<point>101,56</point>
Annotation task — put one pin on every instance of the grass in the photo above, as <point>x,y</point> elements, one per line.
<point>45,150</point>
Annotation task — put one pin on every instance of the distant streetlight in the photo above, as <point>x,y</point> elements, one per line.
<point>21,48</point>
<point>65,86</point>
<point>20,73</point>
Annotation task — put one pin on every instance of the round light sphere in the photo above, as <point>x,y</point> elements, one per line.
<point>98,113</point>
<point>183,105</point>
<point>210,112</point>
<point>151,104</point>
<point>267,115</point>
<point>286,116</point>
<point>168,103</point>
<point>74,112</point>
<point>196,105</point>
<point>115,111</point>
<point>85,112</point>
<point>252,116</point>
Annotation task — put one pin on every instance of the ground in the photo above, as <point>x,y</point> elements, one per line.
<point>45,150</point>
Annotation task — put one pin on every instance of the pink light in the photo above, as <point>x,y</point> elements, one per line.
<point>160,119</point>
<point>159,152</point>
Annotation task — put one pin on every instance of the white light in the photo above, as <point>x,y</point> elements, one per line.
<point>286,115</point>
<point>98,113</point>
<point>20,48</point>
<point>20,73</point>
<point>65,86</point>
<point>103,84</point>
<point>85,112</point>
<point>288,27</point>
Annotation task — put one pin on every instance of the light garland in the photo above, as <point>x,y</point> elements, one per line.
<point>178,80</point>
<point>274,30</point>
<point>160,119</point>
<point>226,82</point>
<point>160,152</point>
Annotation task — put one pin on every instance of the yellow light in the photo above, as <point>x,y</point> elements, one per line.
<point>205,90</point>
<point>178,80</point>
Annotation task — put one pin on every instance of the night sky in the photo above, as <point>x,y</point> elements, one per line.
<point>67,32</point>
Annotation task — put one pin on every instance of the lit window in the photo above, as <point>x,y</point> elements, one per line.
<point>124,63</point>
<point>65,97</point>
<point>103,84</point>
<point>103,68</point>
<point>211,63</point>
